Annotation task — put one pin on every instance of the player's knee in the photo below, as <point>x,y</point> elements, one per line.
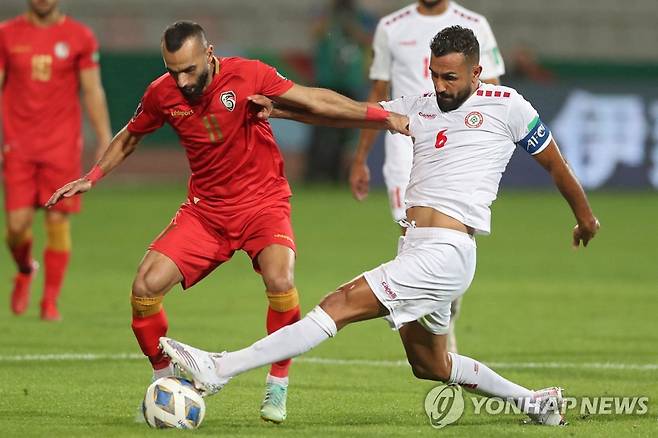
<point>278,282</point>
<point>18,232</point>
<point>147,284</point>
<point>337,305</point>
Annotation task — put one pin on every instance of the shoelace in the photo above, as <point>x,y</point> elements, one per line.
<point>275,393</point>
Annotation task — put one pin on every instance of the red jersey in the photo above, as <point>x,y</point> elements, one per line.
<point>233,156</point>
<point>40,102</point>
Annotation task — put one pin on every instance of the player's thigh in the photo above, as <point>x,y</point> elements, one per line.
<point>432,268</point>
<point>54,174</point>
<point>19,176</point>
<point>427,352</point>
<point>156,275</point>
<point>192,246</point>
<point>268,237</point>
<point>352,302</point>
<point>19,221</point>
<point>277,264</point>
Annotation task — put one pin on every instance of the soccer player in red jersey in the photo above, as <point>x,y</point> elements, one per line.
<point>238,195</point>
<point>46,58</point>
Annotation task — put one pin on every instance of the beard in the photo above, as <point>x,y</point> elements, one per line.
<point>194,92</point>
<point>448,102</point>
<point>42,10</point>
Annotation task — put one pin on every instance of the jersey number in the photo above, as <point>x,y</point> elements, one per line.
<point>42,67</point>
<point>212,126</point>
<point>441,139</point>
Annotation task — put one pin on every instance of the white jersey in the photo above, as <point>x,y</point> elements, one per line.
<point>459,156</point>
<point>402,47</point>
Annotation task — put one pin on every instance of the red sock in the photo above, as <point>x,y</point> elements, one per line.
<point>275,321</point>
<point>148,331</point>
<point>55,263</point>
<point>22,255</point>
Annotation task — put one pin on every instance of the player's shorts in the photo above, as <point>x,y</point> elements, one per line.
<point>434,266</point>
<point>30,183</point>
<point>198,245</point>
<point>397,171</point>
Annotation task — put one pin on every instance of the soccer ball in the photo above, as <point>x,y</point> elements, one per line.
<point>172,402</point>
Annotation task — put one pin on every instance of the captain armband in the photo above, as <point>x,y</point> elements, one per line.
<point>538,137</point>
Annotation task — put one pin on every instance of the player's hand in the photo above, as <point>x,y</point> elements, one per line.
<point>359,179</point>
<point>398,123</point>
<point>263,105</point>
<point>73,188</point>
<point>584,232</point>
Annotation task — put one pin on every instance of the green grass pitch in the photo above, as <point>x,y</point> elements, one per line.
<point>533,300</point>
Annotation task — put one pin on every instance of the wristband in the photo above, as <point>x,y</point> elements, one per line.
<point>94,175</point>
<point>376,114</point>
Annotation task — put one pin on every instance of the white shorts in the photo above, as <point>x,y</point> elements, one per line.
<point>399,154</point>
<point>434,266</point>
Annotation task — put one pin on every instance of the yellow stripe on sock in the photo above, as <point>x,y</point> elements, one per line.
<point>58,235</point>
<point>145,306</point>
<point>282,302</point>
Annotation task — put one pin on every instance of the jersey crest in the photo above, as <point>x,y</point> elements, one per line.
<point>474,119</point>
<point>228,99</point>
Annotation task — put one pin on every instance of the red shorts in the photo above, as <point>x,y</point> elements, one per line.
<point>29,183</point>
<point>197,247</point>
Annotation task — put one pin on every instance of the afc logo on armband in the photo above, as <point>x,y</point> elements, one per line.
<point>228,99</point>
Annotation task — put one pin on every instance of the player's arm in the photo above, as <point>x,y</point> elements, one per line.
<point>95,103</point>
<point>267,109</point>
<point>122,145</point>
<point>326,107</point>
<point>359,171</point>
<point>552,160</point>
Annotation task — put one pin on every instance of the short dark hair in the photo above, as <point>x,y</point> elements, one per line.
<point>177,33</point>
<point>456,39</point>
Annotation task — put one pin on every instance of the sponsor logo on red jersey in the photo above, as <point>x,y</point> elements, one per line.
<point>181,112</point>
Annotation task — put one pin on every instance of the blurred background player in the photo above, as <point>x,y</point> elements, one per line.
<point>46,59</point>
<point>238,195</point>
<point>342,34</point>
<point>401,68</point>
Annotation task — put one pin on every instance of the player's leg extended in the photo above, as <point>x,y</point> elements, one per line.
<point>19,242</point>
<point>276,264</point>
<point>352,302</point>
<point>429,359</point>
<point>156,275</point>
<point>55,259</point>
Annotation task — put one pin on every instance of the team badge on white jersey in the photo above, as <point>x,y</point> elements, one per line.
<point>474,119</point>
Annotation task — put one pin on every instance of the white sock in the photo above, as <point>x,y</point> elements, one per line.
<point>283,381</point>
<point>287,342</point>
<point>477,377</point>
<point>163,372</point>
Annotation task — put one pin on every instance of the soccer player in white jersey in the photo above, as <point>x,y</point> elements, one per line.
<point>400,68</point>
<point>464,135</point>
